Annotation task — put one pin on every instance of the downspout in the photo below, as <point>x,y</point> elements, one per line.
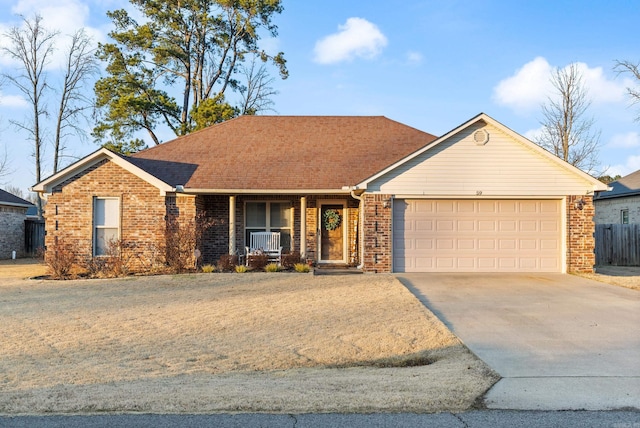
<point>360,227</point>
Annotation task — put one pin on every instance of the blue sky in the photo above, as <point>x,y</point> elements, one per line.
<point>429,64</point>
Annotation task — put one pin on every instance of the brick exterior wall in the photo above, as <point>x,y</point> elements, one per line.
<point>377,234</point>
<point>69,212</point>
<point>580,235</point>
<point>608,210</point>
<point>11,231</point>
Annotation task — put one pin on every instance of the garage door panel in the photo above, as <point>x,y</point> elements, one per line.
<point>466,244</point>
<point>528,226</point>
<point>507,226</point>
<point>424,225</point>
<point>424,244</point>
<point>487,226</point>
<point>549,244</point>
<point>445,262</point>
<point>477,235</point>
<point>507,244</point>
<point>486,244</point>
<point>423,263</point>
<point>466,263</point>
<point>466,225</point>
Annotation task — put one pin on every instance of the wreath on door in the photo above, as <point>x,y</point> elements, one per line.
<point>332,219</point>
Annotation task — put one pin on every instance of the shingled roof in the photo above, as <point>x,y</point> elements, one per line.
<point>7,198</point>
<point>282,152</point>
<point>629,185</point>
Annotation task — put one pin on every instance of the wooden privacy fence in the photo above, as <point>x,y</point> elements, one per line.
<point>618,244</point>
<point>33,236</point>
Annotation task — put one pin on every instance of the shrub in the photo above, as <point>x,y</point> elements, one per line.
<point>182,238</point>
<point>290,259</point>
<point>272,267</point>
<point>60,259</point>
<point>241,268</point>
<point>301,267</point>
<point>208,268</point>
<point>258,261</point>
<point>227,263</point>
<point>116,262</point>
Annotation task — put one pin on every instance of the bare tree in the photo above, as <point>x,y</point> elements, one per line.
<point>633,69</point>
<point>80,66</point>
<point>258,92</point>
<point>15,190</point>
<point>567,131</point>
<point>4,163</point>
<point>32,46</point>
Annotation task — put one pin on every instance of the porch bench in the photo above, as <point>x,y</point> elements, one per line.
<point>267,243</point>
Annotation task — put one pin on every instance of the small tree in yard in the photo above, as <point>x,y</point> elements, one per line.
<point>182,239</point>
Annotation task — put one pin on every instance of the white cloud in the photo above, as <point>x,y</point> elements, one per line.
<point>63,16</point>
<point>600,89</point>
<point>631,164</point>
<point>534,134</point>
<point>357,38</point>
<point>13,101</point>
<point>527,88</point>
<point>414,57</point>
<point>531,86</point>
<point>625,141</point>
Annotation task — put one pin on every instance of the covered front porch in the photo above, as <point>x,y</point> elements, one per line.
<point>322,229</point>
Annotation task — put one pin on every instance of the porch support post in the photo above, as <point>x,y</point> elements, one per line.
<point>303,227</point>
<point>232,224</point>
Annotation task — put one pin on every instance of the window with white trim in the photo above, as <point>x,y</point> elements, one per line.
<point>269,217</point>
<point>624,216</point>
<point>106,224</point>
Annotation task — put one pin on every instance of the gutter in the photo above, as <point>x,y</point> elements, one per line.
<point>360,225</point>
<point>182,189</point>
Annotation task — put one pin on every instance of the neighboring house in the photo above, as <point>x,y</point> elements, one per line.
<point>621,205</point>
<point>13,213</point>
<point>479,198</point>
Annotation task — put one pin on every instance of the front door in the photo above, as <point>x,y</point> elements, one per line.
<point>332,230</point>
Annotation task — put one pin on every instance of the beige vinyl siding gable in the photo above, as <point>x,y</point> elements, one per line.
<point>460,167</point>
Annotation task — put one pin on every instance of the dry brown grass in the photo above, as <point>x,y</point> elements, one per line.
<point>622,276</point>
<point>228,342</point>
<point>22,268</point>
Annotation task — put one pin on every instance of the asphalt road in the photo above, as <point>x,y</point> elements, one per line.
<point>489,418</point>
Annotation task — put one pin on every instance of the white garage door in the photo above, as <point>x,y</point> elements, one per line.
<point>476,236</point>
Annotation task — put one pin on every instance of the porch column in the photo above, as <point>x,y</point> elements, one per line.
<point>232,224</point>
<point>303,227</point>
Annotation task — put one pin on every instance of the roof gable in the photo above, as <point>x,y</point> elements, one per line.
<point>47,185</point>
<point>286,152</point>
<point>505,164</point>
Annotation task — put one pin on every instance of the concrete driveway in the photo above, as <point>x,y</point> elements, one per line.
<point>560,342</point>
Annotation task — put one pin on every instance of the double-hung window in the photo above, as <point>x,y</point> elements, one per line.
<point>624,216</point>
<point>106,224</point>
<point>269,217</point>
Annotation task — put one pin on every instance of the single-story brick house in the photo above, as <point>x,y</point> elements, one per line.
<point>621,205</point>
<point>479,198</point>
<point>13,213</point>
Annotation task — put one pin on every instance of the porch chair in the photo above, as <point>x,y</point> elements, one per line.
<point>264,243</point>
